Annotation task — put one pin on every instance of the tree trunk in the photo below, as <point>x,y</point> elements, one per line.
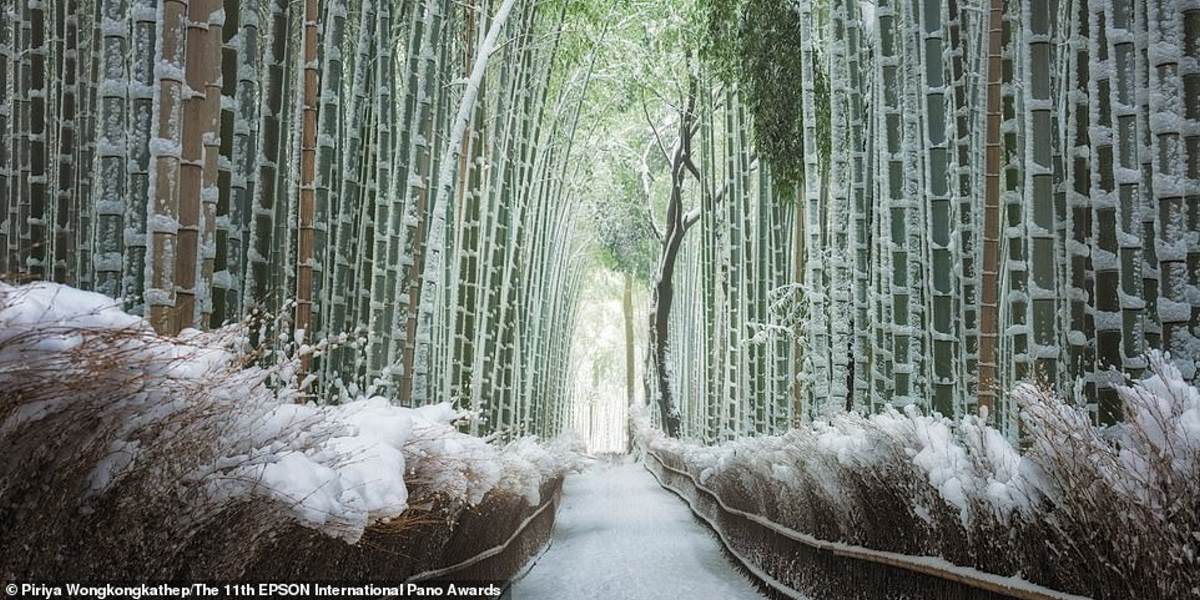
<point>660,316</point>
<point>664,289</point>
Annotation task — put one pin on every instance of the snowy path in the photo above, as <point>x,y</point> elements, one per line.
<point>621,536</point>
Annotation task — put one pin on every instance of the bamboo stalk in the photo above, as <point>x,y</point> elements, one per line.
<point>989,284</point>
<point>306,230</point>
<point>165,146</point>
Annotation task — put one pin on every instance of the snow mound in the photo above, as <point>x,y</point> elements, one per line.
<point>197,410</point>
<point>923,485</point>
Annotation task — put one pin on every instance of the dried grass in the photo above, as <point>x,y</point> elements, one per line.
<point>62,409</point>
<point>1106,513</point>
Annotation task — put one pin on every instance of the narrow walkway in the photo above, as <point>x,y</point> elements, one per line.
<point>621,536</point>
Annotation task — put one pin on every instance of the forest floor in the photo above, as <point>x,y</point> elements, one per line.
<point>620,535</point>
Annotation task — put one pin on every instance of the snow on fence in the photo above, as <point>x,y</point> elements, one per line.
<point>872,506</point>
<point>129,454</point>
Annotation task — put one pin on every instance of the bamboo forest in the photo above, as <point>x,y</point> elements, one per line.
<point>600,299</point>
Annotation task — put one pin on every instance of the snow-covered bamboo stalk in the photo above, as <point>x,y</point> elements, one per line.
<point>836,221</point>
<point>881,348</point>
<point>916,156</point>
<point>764,365</point>
<point>112,149</point>
<point>897,205</point>
<point>860,204</point>
<point>460,311</point>
<point>1080,275</point>
<point>1014,312</point>
<point>80,149</point>
<point>199,116</point>
<point>162,220</point>
<point>781,276</point>
<point>37,256</point>
<point>710,218</point>
<point>741,214</point>
<point>1189,70</point>
<point>306,200</point>
<point>217,264</point>
<point>69,240</point>
<point>19,241</point>
<point>142,115</point>
<point>393,176</point>
<point>240,118</point>
<point>1145,220</point>
<point>730,414</point>
<point>989,317</point>
<point>1168,208</point>
<point>353,204</point>
<point>209,181</point>
<point>1040,212</point>
<point>257,292</point>
<point>8,128</point>
<point>1107,307</point>
<point>287,175</point>
<point>817,357</point>
<point>943,283</point>
<point>961,119</point>
<point>436,247</point>
<point>430,373</point>
<point>1121,33</point>
<point>328,176</point>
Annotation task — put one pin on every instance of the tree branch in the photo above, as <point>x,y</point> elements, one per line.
<point>647,182</point>
<point>691,167</point>
<point>694,215</point>
<point>658,234</point>
<point>653,129</point>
